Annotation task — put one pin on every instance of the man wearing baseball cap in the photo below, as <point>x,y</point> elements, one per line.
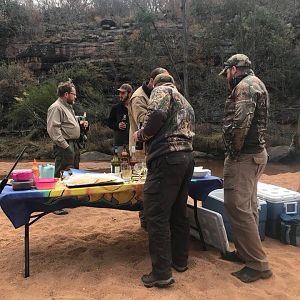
<point>244,126</point>
<point>118,118</point>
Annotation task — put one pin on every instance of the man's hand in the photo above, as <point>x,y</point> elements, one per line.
<point>122,125</point>
<point>84,124</point>
<point>135,137</point>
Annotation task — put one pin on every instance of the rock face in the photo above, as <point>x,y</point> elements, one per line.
<point>94,156</point>
<point>279,153</point>
<point>69,48</point>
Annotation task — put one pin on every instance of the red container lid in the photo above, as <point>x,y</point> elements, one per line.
<point>45,180</point>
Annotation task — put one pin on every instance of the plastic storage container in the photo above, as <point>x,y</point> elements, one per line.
<point>212,227</point>
<point>45,183</point>
<point>279,201</point>
<point>215,202</point>
<point>21,174</point>
<point>22,185</point>
<point>200,172</point>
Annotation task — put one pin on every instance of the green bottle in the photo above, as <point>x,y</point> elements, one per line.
<point>115,162</point>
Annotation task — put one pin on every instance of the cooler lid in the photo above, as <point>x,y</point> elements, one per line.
<point>276,194</point>
<point>213,229</point>
<point>219,196</point>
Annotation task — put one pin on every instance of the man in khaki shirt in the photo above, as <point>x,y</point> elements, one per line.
<point>137,109</point>
<point>64,129</point>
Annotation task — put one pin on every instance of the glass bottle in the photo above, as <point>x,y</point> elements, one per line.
<point>138,144</point>
<point>125,155</point>
<point>115,162</point>
<point>133,159</point>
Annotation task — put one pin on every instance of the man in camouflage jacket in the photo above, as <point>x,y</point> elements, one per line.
<point>168,131</point>
<point>137,109</point>
<point>244,126</point>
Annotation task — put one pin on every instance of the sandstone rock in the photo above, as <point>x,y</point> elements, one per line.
<point>198,154</point>
<point>94,156</point>
<point>108,22</point>
<point>278,153</point>
<point>126,25</point>
<point>105,27</point>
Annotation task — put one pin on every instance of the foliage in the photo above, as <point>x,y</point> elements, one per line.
<point>100,138</point>
<point>17,20</point>
<point>258,28</point>
<point>35,102</point>
<point>14,80</point>
<point>262,29</point>
<point>33,105</point>
<point>88,81</point>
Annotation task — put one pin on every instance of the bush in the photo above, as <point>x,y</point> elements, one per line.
<point>100,138</point>
<point>34,105</point>
<point>14,80</point>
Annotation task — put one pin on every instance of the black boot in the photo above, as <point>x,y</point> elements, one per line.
<point>250,275</point>
<point>179,269</point>
<point>232,256</point>
<point>149,281</point>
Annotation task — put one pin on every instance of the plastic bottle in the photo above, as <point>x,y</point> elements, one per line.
<point>35,169</point>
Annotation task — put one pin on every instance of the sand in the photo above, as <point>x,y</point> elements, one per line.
<point>101,254</point>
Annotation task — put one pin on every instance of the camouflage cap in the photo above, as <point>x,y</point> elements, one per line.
<point>163,78</point>
<point>125,88</point>
<point>238,60</point>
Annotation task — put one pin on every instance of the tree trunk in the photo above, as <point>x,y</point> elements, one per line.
<point>185,49</point>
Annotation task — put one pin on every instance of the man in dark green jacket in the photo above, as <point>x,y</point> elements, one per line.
<point>168,130</point>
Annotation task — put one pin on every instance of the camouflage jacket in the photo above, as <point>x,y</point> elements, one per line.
<point>246,117</point>
<point>169,123</point>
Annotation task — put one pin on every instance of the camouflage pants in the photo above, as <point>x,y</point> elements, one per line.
<point>240,189</point>
<point>66,158</point>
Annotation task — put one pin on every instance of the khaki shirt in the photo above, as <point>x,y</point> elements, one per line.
<point>62,124</point>
<point>137,110</point>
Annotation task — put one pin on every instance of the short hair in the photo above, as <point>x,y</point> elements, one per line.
<point>163,78</point>
<point>244,69</point>
<point>64,87</point>
<point>158,71</point>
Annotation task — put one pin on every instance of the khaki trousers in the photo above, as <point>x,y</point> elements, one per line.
<point>240,189</point>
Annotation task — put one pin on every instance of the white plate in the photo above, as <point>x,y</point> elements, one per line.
<point>90,179</point>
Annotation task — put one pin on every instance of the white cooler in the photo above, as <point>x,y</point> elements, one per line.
<point>279,201</point>
<point>215,202</point>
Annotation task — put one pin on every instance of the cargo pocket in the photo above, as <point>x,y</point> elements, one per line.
<point>152,186</point>
<point>230,170</point>
<point>261,163</point>
<point>260,160</point>
<point>229,182</point>
<point>173,160</point>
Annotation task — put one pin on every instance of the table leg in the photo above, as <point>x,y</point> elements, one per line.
<point>198,226</point>
<point>26,251</point>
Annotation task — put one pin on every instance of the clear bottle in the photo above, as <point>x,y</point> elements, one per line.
<point>115,162</point>
<point>138,144</point>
